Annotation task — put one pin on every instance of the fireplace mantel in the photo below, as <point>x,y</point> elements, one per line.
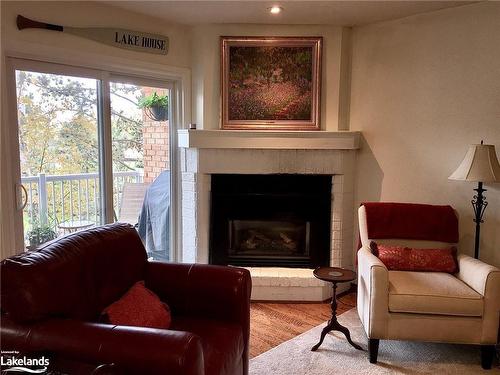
<point>265,139</point>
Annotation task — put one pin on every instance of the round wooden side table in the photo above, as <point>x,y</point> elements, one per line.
<point>334,275</point>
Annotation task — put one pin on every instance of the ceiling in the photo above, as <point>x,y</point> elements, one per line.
<point>342,13</point>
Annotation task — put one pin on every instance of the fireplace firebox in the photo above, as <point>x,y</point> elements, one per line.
<point>270,220</point>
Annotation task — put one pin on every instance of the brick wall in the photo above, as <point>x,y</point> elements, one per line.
<point>156,142</point>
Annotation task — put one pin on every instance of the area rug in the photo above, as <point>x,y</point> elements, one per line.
<point>336,356</point>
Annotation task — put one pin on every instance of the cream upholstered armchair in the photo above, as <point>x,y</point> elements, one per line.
<point>423,306</point>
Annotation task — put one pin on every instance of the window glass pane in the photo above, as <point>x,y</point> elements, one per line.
<point>59,154</point>
<point>141,165</point>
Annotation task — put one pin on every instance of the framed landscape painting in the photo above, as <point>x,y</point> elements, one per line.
<point>271,83</point>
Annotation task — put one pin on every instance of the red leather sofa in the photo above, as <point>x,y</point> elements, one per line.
<point>51,300</point>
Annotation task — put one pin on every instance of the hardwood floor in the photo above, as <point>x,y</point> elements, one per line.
<point>273,323</point>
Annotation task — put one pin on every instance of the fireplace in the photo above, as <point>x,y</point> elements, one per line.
<point>270,220</point>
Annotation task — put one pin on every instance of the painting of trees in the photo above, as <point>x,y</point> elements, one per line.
<point>271,81</point>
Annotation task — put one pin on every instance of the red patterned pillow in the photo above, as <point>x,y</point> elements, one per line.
<point>139,307</point>
<point>397,258</point>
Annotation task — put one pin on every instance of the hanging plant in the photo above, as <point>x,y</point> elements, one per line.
<point>155,106</point>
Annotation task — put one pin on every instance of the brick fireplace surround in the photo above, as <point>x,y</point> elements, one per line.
<point>207,152</point>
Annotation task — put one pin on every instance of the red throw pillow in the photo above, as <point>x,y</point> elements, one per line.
<point>139,307</point>
<point>397,258</point>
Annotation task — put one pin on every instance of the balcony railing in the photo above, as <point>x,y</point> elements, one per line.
<point>53,199</point>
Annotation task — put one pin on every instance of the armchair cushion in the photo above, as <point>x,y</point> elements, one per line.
<point>399,258</point>
<point>432,293</point>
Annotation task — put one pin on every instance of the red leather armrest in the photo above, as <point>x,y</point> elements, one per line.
<point>208,291</point>
<point>203,290</point>
<point>132,349</point>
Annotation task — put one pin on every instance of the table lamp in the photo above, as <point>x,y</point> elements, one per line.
<point>480,165</point>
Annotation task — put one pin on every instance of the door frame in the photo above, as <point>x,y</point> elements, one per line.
<point>102,69</point>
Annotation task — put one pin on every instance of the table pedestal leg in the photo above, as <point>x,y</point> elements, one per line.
<point>334,325</point>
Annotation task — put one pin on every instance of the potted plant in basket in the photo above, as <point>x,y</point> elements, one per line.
<point>155,106</point>
<point>40,235</point>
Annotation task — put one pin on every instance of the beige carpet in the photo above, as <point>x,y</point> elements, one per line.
<point>336,356</point>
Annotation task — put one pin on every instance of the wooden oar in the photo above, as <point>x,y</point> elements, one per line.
<point>132,40</point>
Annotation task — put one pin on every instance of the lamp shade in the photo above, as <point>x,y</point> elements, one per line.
<point>480,164</point>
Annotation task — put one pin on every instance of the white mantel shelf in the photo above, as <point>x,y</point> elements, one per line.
<point>264,139</point>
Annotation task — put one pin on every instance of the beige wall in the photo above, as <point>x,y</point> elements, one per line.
<point>206,68</point>
<point>90,14</point>
<point>423,88</point>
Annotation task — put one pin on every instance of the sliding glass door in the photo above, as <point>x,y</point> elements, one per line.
<point>93,147</point>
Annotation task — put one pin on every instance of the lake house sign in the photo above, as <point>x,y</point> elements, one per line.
<point>131,40</point>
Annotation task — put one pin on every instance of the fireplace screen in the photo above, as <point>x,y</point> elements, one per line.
<point>267,238</point>
<point>270,220</point>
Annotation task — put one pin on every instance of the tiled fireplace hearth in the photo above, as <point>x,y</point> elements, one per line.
<point>211,152</point>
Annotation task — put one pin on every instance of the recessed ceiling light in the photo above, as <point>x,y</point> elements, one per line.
<point>275,9</point>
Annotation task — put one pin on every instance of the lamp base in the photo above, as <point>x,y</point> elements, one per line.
<point>479,206</point>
